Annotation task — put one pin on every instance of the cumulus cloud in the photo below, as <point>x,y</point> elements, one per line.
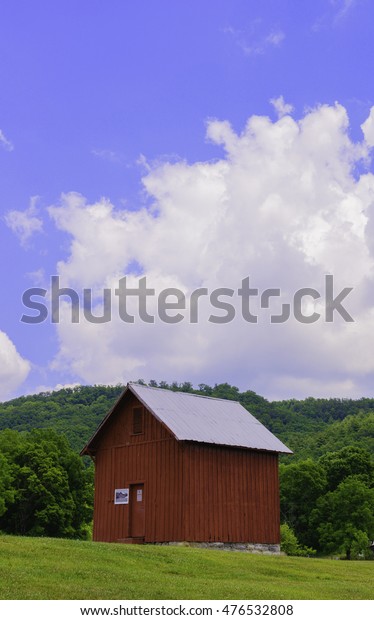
<point>368,128</point>
<point>281,205</point>
<point>281,107</point>
<point>25,223</point>
<point>5,143</point>
<point>53,388</point>
<point>13,368</point>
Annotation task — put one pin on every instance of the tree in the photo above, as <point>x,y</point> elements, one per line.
<point>186,386</point>
<point>344,518</point>
<point>52,491</point>
<point>205,389</point>
<point>225,390</point>
<point>6,493</point>
<point>301,484</point>
<point>290,545</point>
<point>349,461</point>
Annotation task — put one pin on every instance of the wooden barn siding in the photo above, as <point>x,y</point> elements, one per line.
<point>192,492</point>
<point>230,495</point>
<point>153,458</point>
<point>159,466</point>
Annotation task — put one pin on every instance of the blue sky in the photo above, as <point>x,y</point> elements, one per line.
<point>137,113</point>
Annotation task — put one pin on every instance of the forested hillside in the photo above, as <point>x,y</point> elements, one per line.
<point>75,412</point>
<point>309,427</point>
<point>327,485</point>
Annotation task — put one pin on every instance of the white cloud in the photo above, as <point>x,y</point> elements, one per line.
<point>262,45</point>
<point>5,143</point>
<point>282,206</point>
<point>13,368</point>
<point>282,386</point>
<point>281,107</point>
<point>368,128</point>
<point>274,38</point>
<point>336,14</point>
<point>342,7</point>
<point>25,223</point>
<point>55,388</point>
<point>108,155</point>
<point>103,240</point>
<point>254,43</point>
<point>38,277</point>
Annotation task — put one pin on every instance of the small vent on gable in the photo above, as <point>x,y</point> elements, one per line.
<point>137,421</point>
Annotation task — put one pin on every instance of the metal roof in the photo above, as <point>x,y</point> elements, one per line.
<point>191,417</point>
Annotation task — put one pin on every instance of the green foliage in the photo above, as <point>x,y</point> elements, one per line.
<point>74,412</point>
<point>310,427</point>
<point>355,430</point>
<point>51,492</point>
<point>290,545</point>
<point>301,484</point>
<point>361,546</point>
<point>329,503</point>
<point>349,461</point>
<point>344,518</point>
<point>6,492</point>
<point>332,440</point>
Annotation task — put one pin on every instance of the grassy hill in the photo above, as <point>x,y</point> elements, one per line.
<point>43,568</point>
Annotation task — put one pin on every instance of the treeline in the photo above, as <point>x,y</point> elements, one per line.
<point>328,504</point>
<point>309,427</point>
<point>74,412</point>
<point>327,486</point>
<point>45,489</point>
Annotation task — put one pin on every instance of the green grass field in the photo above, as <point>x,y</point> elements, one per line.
<point>44,568</point>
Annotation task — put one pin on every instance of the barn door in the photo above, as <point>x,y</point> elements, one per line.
<point>137,511</point>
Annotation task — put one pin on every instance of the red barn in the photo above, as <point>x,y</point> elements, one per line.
<point>174,466</point>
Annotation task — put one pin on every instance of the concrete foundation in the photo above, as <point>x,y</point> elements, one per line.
<point>264,549</point>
